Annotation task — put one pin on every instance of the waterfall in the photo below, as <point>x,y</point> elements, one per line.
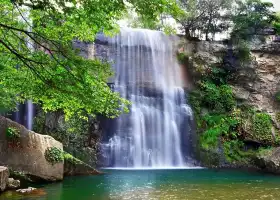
<point>148,74</point>
<point>29,114</point>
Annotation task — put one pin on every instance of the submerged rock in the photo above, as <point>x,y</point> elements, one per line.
<point>13,184</point>
<point>4,175</point>
<point>24,151</point>
<point>26,191</point>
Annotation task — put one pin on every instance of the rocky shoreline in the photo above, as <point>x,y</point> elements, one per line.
<point>28,157</point>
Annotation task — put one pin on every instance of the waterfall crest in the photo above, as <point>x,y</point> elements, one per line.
<point>148,74</point>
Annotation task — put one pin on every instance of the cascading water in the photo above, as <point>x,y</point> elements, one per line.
<point>29,114</point>
<point>148,74</point>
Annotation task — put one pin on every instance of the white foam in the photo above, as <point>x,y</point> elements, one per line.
<point>147,168</point>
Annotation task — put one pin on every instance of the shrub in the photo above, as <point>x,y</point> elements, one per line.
<point>233,150</point>
<point>220,99</point>
<point>54,155</point>
<point>217,75</point>
<point>222,131</point>
<point>71,159</point>
<point>12,134</point>
<point>261,127</point>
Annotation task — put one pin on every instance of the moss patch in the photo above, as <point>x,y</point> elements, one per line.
<point>71,159</point>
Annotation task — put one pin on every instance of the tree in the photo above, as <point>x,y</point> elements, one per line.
<point>203,16</point>
<point>276,23</point>
<point>250,18</point>
<point>157,22</point>
<point>216,18</point>
<point>38,60</point>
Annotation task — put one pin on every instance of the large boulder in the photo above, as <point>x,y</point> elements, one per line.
<point>24,151</point>
<point>4,175</point>
<point>269,160</point>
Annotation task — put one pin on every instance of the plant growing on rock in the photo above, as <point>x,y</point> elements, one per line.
<point>12,135</point>
<point>262,128</point>
<point>219,99</point>
<point>54,155</point>
<point>71,159</point>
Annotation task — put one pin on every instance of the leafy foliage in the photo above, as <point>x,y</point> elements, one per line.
<point>203,17</point>
<point>217,75</point>
<point>251,17</point>
<point>155,20</point>
<point>261,127</point>
<point>222,131</point>
<point>216,126</point>
<point>54,155</point>
<point>38,61</point>
<point>71,159</point>
<point>276,23</point>
<point>217,98</point>
<point>79,137</point>
<point>12,134</point>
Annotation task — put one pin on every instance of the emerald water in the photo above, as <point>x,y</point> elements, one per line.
<point>191,184</point>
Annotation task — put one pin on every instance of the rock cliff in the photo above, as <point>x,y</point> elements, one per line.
<point>255,85</point>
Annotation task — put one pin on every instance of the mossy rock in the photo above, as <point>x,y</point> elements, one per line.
<point>268,160</point>
<point>24,178</point>
<point>209,158</point>
<point>76,167</point>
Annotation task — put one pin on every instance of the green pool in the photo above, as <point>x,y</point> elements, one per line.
<point>191,184</point>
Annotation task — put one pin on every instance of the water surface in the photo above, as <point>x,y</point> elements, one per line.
<point>191,184</point>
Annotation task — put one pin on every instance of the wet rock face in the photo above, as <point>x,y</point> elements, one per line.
<point>27,190</point>
<point>255,84</point>
<point>13,184</point>
<point>269,161</point>
<point>4,175</point>
<point>26,152</point>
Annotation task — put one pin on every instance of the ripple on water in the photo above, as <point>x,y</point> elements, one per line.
<point>164,185</point>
